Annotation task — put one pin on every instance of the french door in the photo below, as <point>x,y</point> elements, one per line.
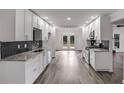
<point>69,41</point>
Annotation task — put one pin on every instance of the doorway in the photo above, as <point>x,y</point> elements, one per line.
<point>68,41</point>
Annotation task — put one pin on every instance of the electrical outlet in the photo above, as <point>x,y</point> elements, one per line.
<point>25,45</point>
<point>19,46</point>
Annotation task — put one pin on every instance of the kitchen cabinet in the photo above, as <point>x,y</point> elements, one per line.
<point>35,21</point>
<point>40,23</point>
<point>100,59</point>
<point>86,56</point>
<point>34,68</point>
<point>41,62</point>
<point>20,24</point>
<point>21,72</point>
<point>28,25</point>
<point>17,25</point>
<point>46,31</point>
<point>92,59</point>
<point>23,25</point>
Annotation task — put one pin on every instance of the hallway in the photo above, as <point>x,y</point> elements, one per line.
<point>67,68</point>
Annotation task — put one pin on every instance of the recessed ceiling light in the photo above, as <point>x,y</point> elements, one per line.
<point>87,22</point>
<point>51,22</point>
<point>46,18</point>
<point>92,17</point>
<point>68,18</point>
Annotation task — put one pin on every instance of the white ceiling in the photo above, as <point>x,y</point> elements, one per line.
<point>79,16</point>
<point>121,21</point>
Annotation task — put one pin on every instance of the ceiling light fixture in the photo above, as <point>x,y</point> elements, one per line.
<point>68,18</point>
<point>93,17</point>
<point>87,22</point>
<point>51,22</point>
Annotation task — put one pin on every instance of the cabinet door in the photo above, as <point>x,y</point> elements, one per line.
<point>32,68</point>
<point>46,31</point>
<point>35,21</point>
<point>92,58</point>
<point>36,67</point>
<point>28,25</point>
<point>19,26</point>
<point>40,23</point>
<point>29,78</point>
<point>41,68</point>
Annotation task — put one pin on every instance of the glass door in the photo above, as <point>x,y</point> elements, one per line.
<point>68,41</point>
<point>72,40</point>
<point>65,41</point>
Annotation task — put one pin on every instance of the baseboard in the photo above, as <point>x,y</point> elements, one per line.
<point>110,70</point>
<point>123,81</point>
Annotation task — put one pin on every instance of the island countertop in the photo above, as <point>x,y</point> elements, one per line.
<point>99,50</point>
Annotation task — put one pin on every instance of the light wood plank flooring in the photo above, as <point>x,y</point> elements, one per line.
<point>70,68</point>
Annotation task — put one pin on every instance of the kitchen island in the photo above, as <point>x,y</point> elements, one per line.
<point>99,58</point>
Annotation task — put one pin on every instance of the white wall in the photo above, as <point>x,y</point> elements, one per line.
<point>106,32</point>
<point>7,24</point>
<point>119,30</point>
<point>59,37</point>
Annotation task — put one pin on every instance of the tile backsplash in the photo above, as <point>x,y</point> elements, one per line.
<point>15,47</point>
<point>105,44</point>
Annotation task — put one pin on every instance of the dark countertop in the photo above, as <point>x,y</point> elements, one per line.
<point>22,57</point>
<point>99,50</point>
<point>96,49</point>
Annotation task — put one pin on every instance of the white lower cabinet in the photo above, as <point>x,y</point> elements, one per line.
<point>34,68</point>
<point>21,72</point>
<point>41,67</point>
<point>92,59</point>
<point>86,55</point>
<point>100,60</point>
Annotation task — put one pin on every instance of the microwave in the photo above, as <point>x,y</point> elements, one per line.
<point>37,34</point>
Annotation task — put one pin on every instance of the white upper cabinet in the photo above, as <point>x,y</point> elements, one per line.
<point>40,23</point>
<point>35,21</point>
<point>46,31</point>
<point>25,20</point>
<point>28,25</point>
<point>20,24</point>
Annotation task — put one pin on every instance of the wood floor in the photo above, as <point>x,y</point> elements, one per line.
<point>70,68</point>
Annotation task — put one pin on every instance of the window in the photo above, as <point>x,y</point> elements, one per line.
<point>116,40</point>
